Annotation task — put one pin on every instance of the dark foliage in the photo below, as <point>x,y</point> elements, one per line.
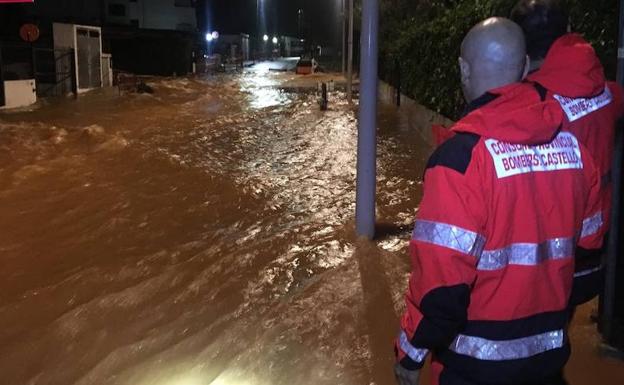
<point>421,40</point>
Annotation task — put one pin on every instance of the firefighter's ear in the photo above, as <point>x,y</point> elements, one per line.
<point>527,67</point>
<point>464,70</point>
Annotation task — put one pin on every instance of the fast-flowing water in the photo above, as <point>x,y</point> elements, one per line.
<point>202,234</point>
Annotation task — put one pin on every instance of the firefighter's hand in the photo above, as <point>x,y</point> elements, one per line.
<point>404,376</point>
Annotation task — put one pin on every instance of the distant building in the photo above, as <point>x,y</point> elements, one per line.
<point>291,46</point>
<point>233,47</point>
<point>170,15</point>
<point>156,37</point>
<point>153,37</point>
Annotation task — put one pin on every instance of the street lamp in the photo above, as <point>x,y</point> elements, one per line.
<point>210,36</point>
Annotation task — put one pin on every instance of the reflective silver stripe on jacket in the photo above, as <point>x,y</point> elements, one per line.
<point>417,355</point>
<point>591,225</point>
<point>527,254</point>
<point>584,273</point>
<point>489,350</point>
<point>449,236</point>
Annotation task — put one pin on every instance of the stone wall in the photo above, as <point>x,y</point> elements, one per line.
<point>419,118</point>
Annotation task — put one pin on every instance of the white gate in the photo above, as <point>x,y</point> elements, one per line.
<point>89,60</point>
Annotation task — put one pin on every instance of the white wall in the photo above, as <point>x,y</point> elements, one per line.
<point>107,70</point>
<point>63,36</point>
<point>19,93</point>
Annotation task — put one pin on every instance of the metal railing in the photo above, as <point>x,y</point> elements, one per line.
<point>52,69</point>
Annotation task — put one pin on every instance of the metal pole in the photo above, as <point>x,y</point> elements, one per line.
<point>344,37</point>
<point>367,123</point>
<point>2,97</point>
<point>397,67</point>
<point>614,250</point>
<point>350,59</point>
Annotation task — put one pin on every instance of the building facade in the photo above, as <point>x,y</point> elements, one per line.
<point>156,37</point>
<point>170,15</point>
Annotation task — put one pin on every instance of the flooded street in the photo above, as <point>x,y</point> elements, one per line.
<point>201,235</point>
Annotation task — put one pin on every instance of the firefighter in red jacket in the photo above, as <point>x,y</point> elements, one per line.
<point>571,73</point>
<point>506,202</point>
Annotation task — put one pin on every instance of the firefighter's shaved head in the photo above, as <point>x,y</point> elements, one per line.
<point>493,54</point>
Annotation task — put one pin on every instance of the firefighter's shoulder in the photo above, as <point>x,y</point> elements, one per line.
<point>455,153</point>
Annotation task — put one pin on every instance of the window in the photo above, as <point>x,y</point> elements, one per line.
<point>117,9</point>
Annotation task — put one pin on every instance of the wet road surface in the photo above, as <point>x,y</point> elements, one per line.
<point>199,235</point>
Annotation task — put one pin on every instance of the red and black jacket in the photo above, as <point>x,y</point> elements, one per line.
<point>574,77</point>
<point>506,201</point>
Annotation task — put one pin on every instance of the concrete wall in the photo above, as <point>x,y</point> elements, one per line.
<point>107,70</point>
<point>419,118</point>
<point>64,37</point>
<point>19,93</point>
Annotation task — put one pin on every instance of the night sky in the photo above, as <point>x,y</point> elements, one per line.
<point>321,17</point>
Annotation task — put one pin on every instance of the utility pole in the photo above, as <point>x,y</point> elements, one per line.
<point>350,59</point>
<point>2,96</point>
<point>612,317</point>
<point>367,122</point>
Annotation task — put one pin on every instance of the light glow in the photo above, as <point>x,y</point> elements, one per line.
<point>210,36</point>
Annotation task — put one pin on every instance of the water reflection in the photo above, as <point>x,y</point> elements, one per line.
<point>262,88</point>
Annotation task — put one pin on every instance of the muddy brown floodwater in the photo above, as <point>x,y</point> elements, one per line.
<point>199,235</point>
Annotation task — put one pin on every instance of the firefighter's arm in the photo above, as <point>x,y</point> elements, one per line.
<point>618,99</point>
<point>445,244</point>
<point>588,265</point>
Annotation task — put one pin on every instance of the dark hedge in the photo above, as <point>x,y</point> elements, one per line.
<point>419,42</point>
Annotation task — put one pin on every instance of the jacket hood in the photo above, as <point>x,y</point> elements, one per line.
<point>516,115</point>
<point>571,68</point>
